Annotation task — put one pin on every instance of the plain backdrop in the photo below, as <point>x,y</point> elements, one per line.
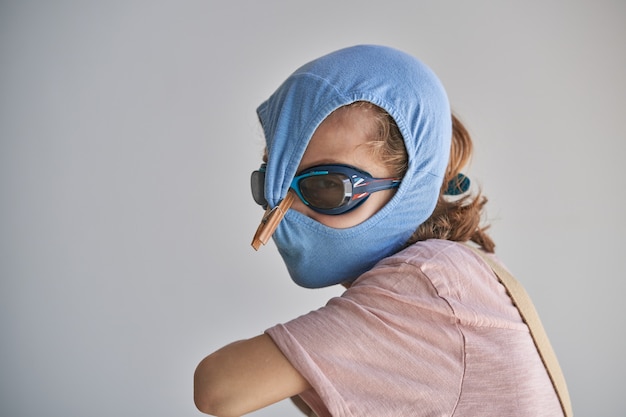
<point>127,137</point>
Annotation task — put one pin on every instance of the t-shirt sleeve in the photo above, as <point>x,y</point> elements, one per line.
<point>379,349</point>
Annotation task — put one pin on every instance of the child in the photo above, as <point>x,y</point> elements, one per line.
<point>363,188</point>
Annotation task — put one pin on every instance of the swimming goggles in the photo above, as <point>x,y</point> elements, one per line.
<point>328,189</point>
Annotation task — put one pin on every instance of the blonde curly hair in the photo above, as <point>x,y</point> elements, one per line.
<point>454,218</point>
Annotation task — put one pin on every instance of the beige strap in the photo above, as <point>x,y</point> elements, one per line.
<point>522,301</point>
<point>270,221</point>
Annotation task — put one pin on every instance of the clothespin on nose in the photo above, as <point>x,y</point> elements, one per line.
<point>271,219</point>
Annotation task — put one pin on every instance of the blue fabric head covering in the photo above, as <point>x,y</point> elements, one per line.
<point>317,255</point>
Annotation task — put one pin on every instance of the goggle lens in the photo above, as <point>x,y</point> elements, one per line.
<point>257,183</point>
<point>325,191</point>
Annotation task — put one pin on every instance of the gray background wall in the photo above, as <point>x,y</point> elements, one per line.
<point>128,132</point>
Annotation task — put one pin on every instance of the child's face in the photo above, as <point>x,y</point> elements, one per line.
<point>341,139</point>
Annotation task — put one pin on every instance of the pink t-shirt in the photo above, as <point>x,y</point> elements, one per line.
<point>427,332</point>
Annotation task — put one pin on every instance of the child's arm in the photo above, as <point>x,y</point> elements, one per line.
<point>245,376</point>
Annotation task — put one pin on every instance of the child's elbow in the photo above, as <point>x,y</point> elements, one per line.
<point>208,405</point>
<point>203,401</point>
<point>208,396</point>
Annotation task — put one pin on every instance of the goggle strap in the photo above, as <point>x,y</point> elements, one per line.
<point>458,185</point>
<point>380,184</point>
<point>271,220</point>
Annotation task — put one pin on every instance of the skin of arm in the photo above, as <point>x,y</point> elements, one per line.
<point>245,376</point>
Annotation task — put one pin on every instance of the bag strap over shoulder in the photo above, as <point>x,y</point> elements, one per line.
<point>527,310</point>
